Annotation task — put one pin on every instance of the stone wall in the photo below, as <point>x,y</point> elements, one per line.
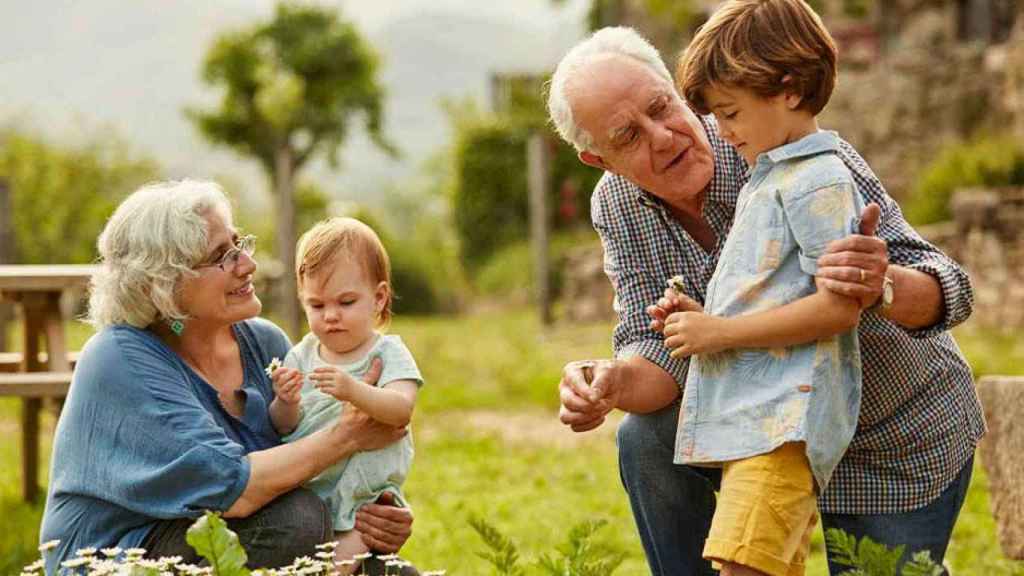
<point>987,238</point>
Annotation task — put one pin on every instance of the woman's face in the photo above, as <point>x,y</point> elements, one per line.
<point>221,294</point>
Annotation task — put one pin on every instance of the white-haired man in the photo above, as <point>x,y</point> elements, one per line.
<point>664,208</point>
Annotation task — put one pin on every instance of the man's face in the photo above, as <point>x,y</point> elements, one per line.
<point>642,130</point>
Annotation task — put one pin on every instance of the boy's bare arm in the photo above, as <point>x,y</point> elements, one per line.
<point>814,317</point>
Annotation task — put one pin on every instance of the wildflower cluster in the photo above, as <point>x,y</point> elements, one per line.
<point>218,545</point>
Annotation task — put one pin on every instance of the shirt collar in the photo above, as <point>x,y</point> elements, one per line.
<point>819,142</point>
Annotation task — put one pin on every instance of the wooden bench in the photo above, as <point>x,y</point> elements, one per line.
<point>32,388</point>
<point>12,361</point>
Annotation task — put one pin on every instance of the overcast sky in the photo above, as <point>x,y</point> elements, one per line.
<point>69,68</point>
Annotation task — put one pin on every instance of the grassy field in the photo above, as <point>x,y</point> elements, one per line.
<point>488,444</point>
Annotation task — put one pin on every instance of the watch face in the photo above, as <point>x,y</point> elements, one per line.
<point>887,292</point>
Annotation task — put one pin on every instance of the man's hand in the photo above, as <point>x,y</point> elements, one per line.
<point>672,301</point>
<point>688,333</point>
<point>287,385</point>
<point>588,391</point>
<point>384,526</point>
<point>856,265</point>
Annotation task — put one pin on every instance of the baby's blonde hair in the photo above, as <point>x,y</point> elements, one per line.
<point>342,237</point>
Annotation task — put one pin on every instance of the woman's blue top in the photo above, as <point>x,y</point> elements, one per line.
<point>142,437</point>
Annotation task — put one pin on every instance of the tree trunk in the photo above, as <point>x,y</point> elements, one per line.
<point>284,175</point>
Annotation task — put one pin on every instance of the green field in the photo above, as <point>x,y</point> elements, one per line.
<point>488,444</point>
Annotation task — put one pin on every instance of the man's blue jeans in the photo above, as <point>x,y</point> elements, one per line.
<point>673,504</point>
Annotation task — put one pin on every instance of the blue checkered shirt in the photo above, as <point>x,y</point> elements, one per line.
<point>920,416</point>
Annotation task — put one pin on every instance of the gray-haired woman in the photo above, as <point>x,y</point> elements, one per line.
<point>168,411</point>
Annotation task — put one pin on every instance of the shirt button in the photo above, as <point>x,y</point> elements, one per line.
<point>804,388</point>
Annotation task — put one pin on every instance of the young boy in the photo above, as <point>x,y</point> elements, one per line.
<point>773,390</point>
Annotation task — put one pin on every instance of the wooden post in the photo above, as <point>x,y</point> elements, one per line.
<point>6,255</point>
<point>538,167</point>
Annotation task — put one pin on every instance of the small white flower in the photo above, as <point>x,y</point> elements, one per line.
<point>363,556</point>
<point>37,565</point>
<point>345,563</point>
<point>324,555</point>
<point>387,557</point>
<point>677,284</point>
<point>75,563</point>
<point>48,545</point>
<point>275,363</point>
<point>171,560</point>
<point>85,552</point>
<point>137,552</point>
<point>111,552</point>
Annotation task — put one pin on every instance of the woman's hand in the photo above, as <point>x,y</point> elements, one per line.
<point>287,385</point>
<point>383,526</point>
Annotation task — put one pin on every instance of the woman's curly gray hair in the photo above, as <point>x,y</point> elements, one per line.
<point>617,40</point>
<point>153,240</point>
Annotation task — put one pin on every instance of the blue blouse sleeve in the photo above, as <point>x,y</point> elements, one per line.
<point>134,433</point>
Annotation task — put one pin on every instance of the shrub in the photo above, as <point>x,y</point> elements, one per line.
<point>995,161</point>
<point>62,196</point>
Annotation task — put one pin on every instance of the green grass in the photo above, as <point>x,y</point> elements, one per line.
<point>488,443</point>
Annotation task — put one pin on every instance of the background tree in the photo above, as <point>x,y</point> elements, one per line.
<point>291,88</point>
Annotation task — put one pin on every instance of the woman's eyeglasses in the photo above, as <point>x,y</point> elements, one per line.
<point>227,261</point>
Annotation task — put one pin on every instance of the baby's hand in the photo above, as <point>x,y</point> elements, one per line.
<point>333,381</point>
<point>287,384</point>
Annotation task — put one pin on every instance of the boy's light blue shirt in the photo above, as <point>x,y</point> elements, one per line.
<point>744,402</point>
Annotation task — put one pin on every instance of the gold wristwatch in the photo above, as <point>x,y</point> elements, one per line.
<point>884,302</point>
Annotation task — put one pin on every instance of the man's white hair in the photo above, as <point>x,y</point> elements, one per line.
<point>153,240</point>
<point>618,40</point>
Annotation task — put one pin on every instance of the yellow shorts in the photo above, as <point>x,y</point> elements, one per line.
<point>766,512</point>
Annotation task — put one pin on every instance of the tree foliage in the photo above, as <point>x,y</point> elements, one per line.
<point>297,80</point>
<point>490,198</point>
<point>61,196</point>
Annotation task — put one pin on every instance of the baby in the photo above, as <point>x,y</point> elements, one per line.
<point>344,284</point>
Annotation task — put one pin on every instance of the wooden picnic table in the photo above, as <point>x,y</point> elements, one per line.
<point>37,290</point>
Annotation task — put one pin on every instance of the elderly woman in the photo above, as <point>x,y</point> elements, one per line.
<point>168,410</point>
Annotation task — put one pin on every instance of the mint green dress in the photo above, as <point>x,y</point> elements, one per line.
<point>363,477</point>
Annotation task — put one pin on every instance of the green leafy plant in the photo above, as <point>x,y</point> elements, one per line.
<point>996,161</point>
<point>212,540</point>
<point>869,558</point>
<point>579,556</point>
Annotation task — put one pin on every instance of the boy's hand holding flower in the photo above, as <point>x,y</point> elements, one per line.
<point>334,381</point>
<point>673,300</point>
<point>689,333</point>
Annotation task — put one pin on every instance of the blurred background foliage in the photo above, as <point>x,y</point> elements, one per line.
<point>61,195</point>
<point>988,161</point>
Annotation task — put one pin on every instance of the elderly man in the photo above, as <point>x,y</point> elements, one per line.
<point>664,208</point>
